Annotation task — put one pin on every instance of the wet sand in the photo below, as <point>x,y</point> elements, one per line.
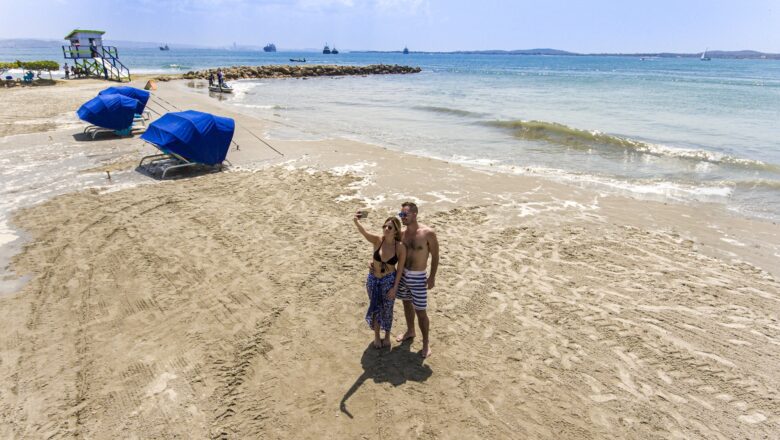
<point>231,305</point>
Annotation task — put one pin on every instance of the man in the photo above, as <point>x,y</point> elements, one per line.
<point>421,242</point>
<point>67,72</point>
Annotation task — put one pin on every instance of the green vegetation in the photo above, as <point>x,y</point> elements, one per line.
<point>35,66</point>
<point>39,66</point>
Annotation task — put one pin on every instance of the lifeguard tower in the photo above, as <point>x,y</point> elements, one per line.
<point>88,53</point>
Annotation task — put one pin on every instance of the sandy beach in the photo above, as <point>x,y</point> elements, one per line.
<point>231,305</point>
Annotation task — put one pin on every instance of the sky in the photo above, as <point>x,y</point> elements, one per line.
<point>422,25</point>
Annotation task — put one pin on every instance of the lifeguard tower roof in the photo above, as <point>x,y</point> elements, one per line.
<point>76,32</point>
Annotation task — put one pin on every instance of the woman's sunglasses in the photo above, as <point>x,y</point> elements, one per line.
<point>388,227</point>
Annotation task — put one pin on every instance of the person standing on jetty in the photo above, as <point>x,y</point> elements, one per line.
<point>421,242</point>
<point>383,278</point>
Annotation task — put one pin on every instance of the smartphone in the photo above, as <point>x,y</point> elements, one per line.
<point>362,214</point>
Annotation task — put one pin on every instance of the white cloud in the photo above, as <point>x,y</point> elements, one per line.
<point>407,6</point>
<point>324,4</point>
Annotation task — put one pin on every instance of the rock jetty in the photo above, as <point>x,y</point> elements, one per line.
<point>284,71</point>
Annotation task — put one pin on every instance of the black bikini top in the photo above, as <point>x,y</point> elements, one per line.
<point>379,259</point>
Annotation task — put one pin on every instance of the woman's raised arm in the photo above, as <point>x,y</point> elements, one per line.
<point>373,239</point>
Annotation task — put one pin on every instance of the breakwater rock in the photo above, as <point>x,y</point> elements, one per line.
<point>285,71</point>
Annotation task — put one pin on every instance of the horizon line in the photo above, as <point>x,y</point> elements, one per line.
<point>314,49</point>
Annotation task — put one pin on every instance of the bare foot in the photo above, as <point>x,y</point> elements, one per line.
<point>377,343</point>
<point>386,341</point>
<point>405,336</point>
<point>426,351</point>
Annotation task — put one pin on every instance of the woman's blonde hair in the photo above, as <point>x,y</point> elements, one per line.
<point>396,224</point>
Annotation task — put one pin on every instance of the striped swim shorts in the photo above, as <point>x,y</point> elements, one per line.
<point>414,287</point>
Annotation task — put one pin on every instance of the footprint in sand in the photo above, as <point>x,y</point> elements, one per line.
<point>601,398</point>
<point>752,418</point>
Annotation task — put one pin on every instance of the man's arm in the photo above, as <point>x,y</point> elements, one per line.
<point>433,247</point>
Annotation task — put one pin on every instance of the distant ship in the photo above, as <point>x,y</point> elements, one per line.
<point>326,49</point>
<point>406,50</point>
<point>270,47</point>
<point>165,47</point>
<point>704,56</point>
<point>334,51</point>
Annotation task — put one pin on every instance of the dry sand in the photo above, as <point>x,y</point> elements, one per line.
<point>231,306</point>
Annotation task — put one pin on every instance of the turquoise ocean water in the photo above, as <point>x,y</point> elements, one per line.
<point>662,128</point>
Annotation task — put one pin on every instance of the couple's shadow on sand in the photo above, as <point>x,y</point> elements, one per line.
<point>395,366</point>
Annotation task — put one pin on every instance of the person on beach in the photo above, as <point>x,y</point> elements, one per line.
<point>383,277</point>
<point>220,77</point>
<point>421,242</point>
<point>211,79</point>
<point>67,72</point>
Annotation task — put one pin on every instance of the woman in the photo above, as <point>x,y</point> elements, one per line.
<point>383,279</point>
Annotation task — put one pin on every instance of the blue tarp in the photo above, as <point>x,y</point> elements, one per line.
<point>131,92</point>
<point>196,136</point>
<point>109,111</point>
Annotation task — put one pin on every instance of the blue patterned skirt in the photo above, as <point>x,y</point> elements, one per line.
<point>379,306</point>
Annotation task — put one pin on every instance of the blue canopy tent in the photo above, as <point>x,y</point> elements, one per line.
<point>110,112</point>
<point>142,96</point>
<point>190,137</point>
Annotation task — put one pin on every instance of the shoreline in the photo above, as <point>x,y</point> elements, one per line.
<point>192,307</point>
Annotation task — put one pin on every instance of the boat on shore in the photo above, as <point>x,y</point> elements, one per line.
<point>224,88</point>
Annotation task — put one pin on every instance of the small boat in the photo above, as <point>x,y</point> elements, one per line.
<point>334,51</point>
<point>297,60</point>
<point>406,50</point>
<point>326,49</point>
<point>224,88</point>
<point>165,47</point>
<point>270,47</point>
<point>704,56</point>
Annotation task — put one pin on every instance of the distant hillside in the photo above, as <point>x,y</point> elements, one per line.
<point>26,43</point>
<point>738,54</point>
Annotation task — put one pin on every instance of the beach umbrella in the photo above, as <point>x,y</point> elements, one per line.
<point>115,112</point>
<point>195,136</point>
<point>142,96</point>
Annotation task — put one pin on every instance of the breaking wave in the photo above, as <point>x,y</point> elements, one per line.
<point>449,111</point>
<point>586,140</point>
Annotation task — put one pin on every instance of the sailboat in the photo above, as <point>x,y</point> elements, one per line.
<point>704,56</point>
